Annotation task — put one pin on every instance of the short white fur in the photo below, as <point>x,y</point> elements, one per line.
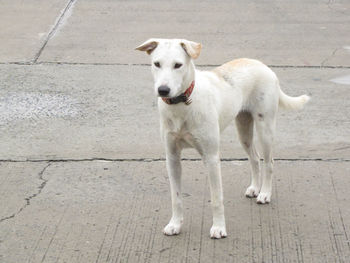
<point>243,90</point>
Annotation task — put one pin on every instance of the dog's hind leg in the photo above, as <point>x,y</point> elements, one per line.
<point>245,128</point>
<point>173,164</point>
<point>265,127</point>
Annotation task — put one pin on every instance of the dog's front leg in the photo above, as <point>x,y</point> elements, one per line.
<point>173,164</point>
<point>212,162</point>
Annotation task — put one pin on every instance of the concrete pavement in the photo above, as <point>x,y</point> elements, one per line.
<point>114,211</point>
<point>87,111</point>
<point>81,165</point>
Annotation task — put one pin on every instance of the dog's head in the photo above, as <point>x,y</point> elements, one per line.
<point>172,66</point>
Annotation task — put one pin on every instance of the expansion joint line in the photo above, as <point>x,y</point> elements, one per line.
<point>53,30</point>
<point>163,159</point>
<point>35,62</point>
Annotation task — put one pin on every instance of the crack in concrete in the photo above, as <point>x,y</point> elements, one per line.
<point>163,159</point>
<point>29,198</point>
<point>54,29</point>
<point>148,65</point>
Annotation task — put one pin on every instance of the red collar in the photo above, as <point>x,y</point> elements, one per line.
<point>183,97</point>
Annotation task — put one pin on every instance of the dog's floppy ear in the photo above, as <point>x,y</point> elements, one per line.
<point>193,49</point>
<point>148,46</point>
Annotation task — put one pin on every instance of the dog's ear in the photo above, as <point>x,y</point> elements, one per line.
<point>193,49</point>
<point>148,46</point>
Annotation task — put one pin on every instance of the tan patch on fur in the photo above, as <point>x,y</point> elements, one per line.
<point>148,46</point>
<point>193,49</point>
<point>197,50</point>
<point>222,70</point>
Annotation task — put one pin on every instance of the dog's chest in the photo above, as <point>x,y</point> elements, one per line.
<point>179,129</point>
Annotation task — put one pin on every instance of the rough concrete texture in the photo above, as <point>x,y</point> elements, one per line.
<point>86,111</point>
<point>82,172</point>
<point>25,26</point>
<point>275,32</point>
<point>114,212</point>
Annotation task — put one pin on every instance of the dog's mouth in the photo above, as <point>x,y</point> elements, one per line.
<point>183,97</point>
<point>164,96</point>
<point>170,97</point>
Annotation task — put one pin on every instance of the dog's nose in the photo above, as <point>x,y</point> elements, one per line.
<point>163,90</point>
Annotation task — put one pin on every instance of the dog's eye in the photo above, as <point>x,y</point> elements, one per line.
<point>178,65</point>
<point>157,64</point>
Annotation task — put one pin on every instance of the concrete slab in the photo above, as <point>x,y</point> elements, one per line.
<point>81,111</point>
<point>19,184</point>
<point>115,211</point>
<point>277,32</point>
<point>25,26</point>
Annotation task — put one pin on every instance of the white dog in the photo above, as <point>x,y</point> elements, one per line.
<point>195,106</point>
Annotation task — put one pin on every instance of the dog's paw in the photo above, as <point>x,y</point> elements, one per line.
<point>252,191</point>
<point>218,232</point>
<point>263,198</point>
<point>172,229</point>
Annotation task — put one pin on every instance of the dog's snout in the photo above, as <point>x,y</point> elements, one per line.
<point>163,90</point>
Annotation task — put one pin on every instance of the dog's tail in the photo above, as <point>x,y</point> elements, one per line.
<point>292,103</point>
